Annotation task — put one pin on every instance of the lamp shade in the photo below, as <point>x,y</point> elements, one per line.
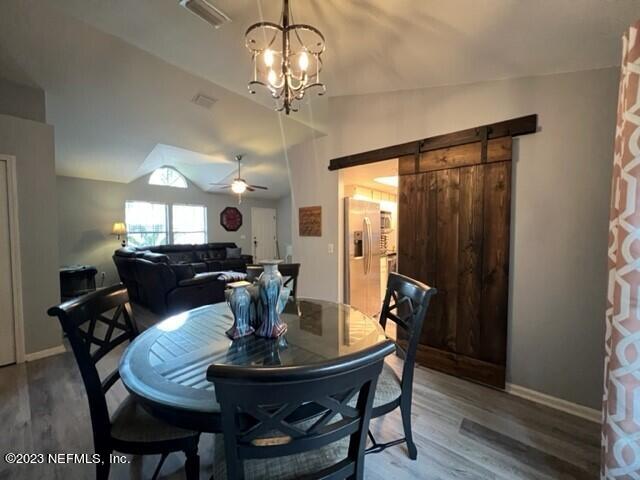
<point>119,228</point>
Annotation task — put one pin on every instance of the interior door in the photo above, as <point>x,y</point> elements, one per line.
<point>263,233</point>
<point>454,222</point>
<point>7,325</point>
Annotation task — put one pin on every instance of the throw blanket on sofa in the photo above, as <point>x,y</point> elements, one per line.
<point>230,276</point>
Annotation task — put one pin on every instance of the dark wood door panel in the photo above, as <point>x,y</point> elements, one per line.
<point>498,150</point>
<point>468,341</point>
<point>454,235</point>
<point>446,257</point>
<point>495,262</point>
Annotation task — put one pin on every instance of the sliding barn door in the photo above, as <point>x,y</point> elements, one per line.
<point>454,216</point>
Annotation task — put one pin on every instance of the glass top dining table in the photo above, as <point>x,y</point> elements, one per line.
<point>165,366</point>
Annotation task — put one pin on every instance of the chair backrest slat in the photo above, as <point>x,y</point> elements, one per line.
<point>262,408</point>
<point>405,303</point>
<point>100,320</point>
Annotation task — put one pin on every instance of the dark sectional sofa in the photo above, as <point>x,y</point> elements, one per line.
<point>168,279</point>
<point>208,257</point>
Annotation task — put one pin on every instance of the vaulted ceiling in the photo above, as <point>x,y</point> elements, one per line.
<point>119,74</point>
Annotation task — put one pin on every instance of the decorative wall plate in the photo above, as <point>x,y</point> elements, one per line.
<point>231,219</point>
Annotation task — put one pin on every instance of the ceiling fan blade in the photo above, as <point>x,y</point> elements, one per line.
<point>219,184</point>
<point>225,187</point>
<point>258,186</point>
<point>250,189</point>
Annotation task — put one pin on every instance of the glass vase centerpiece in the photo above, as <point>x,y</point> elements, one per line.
<point>270,289</point>
<point>240,303</point>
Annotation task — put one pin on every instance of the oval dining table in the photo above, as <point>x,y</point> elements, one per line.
<point>165,367</point>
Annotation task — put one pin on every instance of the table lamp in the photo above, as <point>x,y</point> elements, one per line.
<point>120,229</point>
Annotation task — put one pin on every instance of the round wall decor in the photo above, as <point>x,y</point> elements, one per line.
<point>231,219</point>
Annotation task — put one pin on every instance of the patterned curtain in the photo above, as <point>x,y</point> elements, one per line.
<point>621,409</point>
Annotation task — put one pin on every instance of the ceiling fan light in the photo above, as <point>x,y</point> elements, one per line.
<point>238,186</point>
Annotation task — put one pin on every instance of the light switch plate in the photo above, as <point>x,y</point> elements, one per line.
<point>330,248</point>
<point>243,237</point>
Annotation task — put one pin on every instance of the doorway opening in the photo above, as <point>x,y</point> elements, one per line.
<point>11,322</point>
<point>370,201</point>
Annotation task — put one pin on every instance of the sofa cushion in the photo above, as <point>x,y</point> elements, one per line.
<point>214,265</point>
<point>233,253</point>
<point>200,255</point>
<point>155,257</point>
<point>233,264</point>
<point>199,267</point>
<point>183,272</point>
<point>180,257</point>
<point>131,252</point>
<point>217,253</point>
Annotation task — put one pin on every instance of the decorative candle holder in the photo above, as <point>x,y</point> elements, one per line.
<point>240,304</point>
<point>270,283</point>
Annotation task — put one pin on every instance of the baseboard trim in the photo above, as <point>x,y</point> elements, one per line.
<point>30,357</point>
<point>581,411</point>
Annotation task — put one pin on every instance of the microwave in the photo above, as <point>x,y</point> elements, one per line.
<point>385,221</point>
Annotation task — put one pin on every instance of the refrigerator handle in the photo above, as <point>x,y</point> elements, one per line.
<point>367,245</point>
<point>365,238</point>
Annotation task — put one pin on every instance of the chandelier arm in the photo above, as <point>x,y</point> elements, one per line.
<point>296,27</point>
<point>292,87</point>
<point>321,86</point>
<point>257,25</point>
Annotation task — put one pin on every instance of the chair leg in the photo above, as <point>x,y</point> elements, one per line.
<point>192,465</point>
<point>163,457</point>
<point>102,468</point>
<point>405,410</point>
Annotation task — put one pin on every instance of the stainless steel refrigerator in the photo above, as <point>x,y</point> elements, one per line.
<point>362,255</point>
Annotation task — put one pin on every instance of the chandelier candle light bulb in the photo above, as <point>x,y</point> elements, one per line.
<point>303,62</point>
<point>272,78</point>
<point>268,57</point>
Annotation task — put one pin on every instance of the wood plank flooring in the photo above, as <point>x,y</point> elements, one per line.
<point>462,430</point>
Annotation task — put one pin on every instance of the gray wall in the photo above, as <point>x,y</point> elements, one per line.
<point>32,145</point>
<point>21,101</point>
<point>88,208</point>
<point>313,185</point>
<point>561,185</point>
<point>284,223</point>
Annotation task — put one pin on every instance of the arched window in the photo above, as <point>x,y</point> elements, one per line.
<point>167,177</point>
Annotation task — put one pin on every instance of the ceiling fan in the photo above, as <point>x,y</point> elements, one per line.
<point>239,184</point>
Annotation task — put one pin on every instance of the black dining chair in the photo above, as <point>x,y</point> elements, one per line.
<point>95,324</point>
<point>290,271</point>
<point>253,272</point>
<point>405,303</point>
<point>269,430</point>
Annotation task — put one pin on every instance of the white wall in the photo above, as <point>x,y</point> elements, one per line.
<point>561,183</point>
<point>88,208</point>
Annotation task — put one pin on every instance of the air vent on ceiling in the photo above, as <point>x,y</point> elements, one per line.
<point>206,11</point>
<point>204,101</point>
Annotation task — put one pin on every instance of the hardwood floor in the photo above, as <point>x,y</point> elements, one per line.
<point>462,430</point>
